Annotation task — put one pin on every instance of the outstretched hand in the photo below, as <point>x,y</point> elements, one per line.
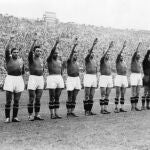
<point>111,44</point>
<point>138,46</point>
<point>35,36</point>
<point>95,41</point>
<point>124,44</point>
<point>75,41</point>
<point>57,40</point>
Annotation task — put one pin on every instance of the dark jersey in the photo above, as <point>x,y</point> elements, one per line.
<point>121,68</point>
<point>35,65</point>
<point>136,66</point>
<point>15,67</point>
<point>105,67</point>
<point>72,68</point>
<point>90,65</point>
<point>54,66</point>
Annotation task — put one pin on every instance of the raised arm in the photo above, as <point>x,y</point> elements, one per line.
<point>135,53</point>
<point>7,52</point>
<point>91,49</point>
<point>111,44</point>
<point>53,49</point>
<point>123,47</point>
<point>30,56</point>
<point>73,49</point>
<point>137,49</point>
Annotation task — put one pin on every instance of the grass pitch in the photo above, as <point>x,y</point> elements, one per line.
<point>123,131</point>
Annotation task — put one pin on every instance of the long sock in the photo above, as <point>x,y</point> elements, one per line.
<point>7,111</point>
<point>116,101</point>
<point>86,106</point>
<point>143,101</point>
<point>15,110</point>
<point>90,105</point>
<point>30,108</point>
<point>37,108</point>
<point>147,101</point>
<point>132,100</point>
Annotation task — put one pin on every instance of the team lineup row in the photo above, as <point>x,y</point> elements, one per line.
<point>14,84</point>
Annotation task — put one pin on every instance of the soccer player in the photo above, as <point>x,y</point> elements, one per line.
<point>90,80</point>
<point>36,81</point>
<point>135,79</point>
<point>120,81</point>
<point>105,80</point>
<point>146,81</point>
<point>73,81</point>
<point>55,82</point>
<point>14,84</point>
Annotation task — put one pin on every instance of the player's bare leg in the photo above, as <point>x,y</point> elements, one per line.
<point>16,107</point>
<point>122,100</point>
<point>75,93</point>
<point>8,106</point>
<point>51,102</point>
<point>30,105</point>
<point>86,99</point>
<point>56,103</point>
<point>92,92</point>
<point>103,92</point>
<point>69,102</point>
<point>37,104</point>
<point>117,99</point>
<point>137,97</point>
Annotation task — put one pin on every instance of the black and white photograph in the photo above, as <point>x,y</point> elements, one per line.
<point>74,75</point>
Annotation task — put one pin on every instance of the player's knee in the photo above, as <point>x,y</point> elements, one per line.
<point>52,98</point>
<point>91,97</point>
<point>8,105</point>
<point>16,102</point>
<point>107,95</point>
<point>103,93</point>
<point>86,96</point>
<point>37,103</point>
<point>57,98</point>
<point>31,100</point>
<point>31,97</point>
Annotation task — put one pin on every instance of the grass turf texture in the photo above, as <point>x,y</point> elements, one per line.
<point>123,131</point>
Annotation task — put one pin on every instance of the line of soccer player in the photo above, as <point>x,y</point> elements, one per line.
<point>14,84</point>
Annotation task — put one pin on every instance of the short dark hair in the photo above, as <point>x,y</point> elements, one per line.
<point>35,47</point>
<point>13,49</point>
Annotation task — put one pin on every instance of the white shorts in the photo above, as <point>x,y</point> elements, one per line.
<point>14,84</point>
<point>136,79</point>
<point>90,80</point>
<point>73,83</point>
<point>54,81</point>
<point>121,81</point>
<point>105,81</point>
<point>35,82</point>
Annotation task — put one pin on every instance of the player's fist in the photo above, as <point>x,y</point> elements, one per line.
<point>111,44</point>
<point>138,46</point>
<point>75,41</point>
<point>35,36</point>
<point>57,40</point>
<point>124,44</point>
<point>95,41</point>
